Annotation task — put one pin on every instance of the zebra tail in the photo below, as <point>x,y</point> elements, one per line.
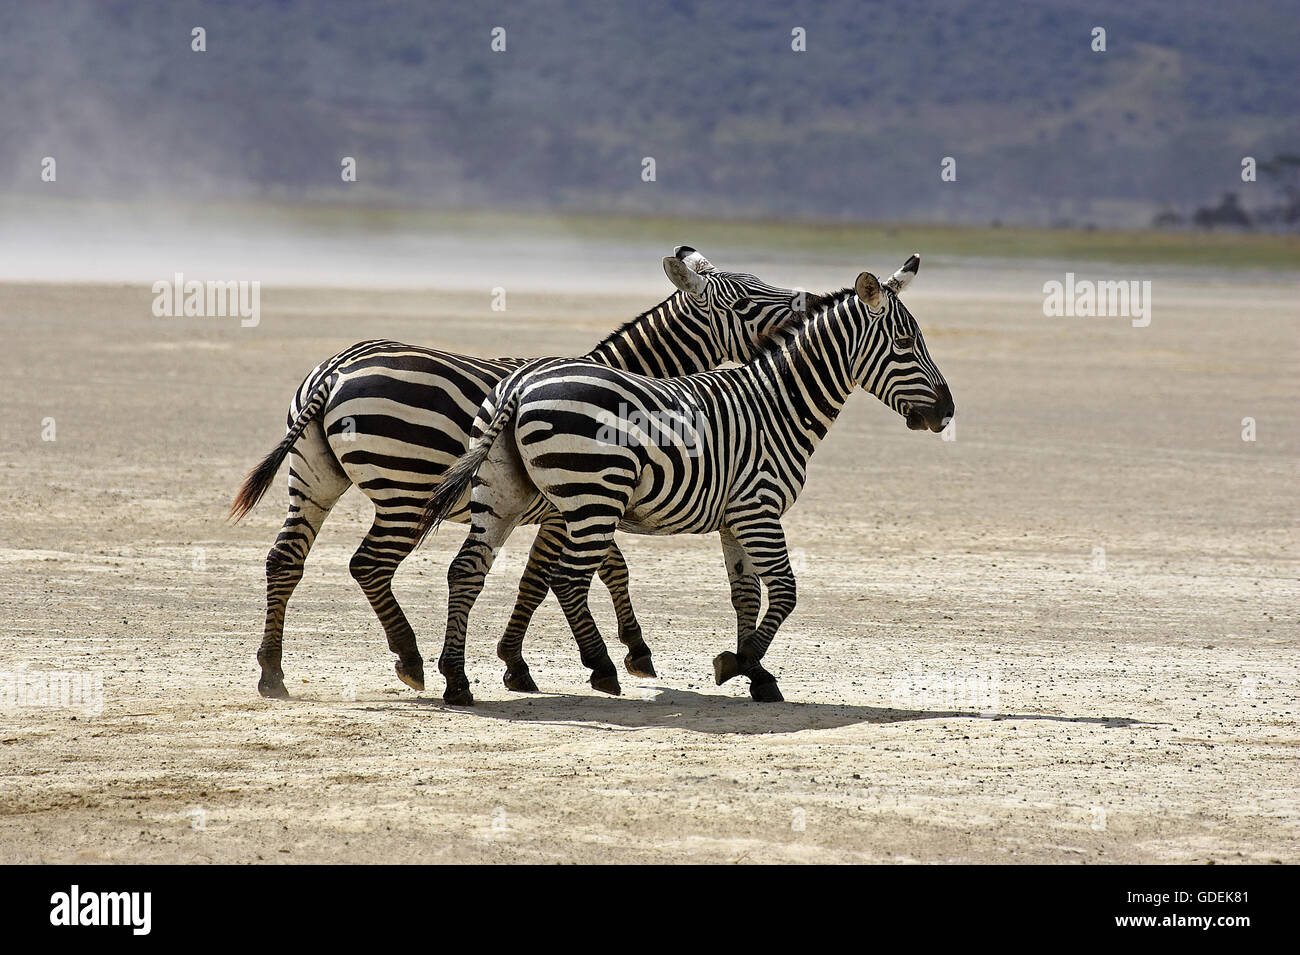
<point>259,479</point>
<point>458,477</point>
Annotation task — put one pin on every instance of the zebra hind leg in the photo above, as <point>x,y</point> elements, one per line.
<point>373,565</point>
<point>284,565</point>
<point>315,484</point>
<point>571,581</point>
<point>533,588</point>
<point>613,574</point>
<point>465,579</point>
<point>500,494</point>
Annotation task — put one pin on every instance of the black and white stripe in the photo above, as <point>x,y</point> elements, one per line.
<point>736,464</point>
<point>392,418</point>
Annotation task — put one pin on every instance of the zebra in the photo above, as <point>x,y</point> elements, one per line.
<point>736,467</point>
<point>391,418</point>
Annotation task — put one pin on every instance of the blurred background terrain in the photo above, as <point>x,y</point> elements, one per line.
<point>1045,131</point>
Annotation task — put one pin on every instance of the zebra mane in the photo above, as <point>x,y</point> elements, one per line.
<point>630,323</point>
<point>814,305</point>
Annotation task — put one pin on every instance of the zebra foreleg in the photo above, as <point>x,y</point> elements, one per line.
<point>764,545</point>
<point>373,566</point>
<point>746,592</point>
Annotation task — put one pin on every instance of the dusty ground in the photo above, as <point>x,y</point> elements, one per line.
<point>970,678</point>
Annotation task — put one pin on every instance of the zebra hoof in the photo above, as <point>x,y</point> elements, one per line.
<point>411,674</point>
<point>725,666</point>
<point>273,689</point>
<point>458,695</point>
<point>766,692</point>
<point>607,684</point>
<point>640,666</point>
<point>518,678</point>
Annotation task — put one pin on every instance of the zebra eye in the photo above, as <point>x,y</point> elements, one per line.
<point>904,342</point>
<point>742,303</point>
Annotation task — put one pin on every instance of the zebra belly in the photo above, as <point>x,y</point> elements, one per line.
<point>661,505</point>
<point>645,525</point>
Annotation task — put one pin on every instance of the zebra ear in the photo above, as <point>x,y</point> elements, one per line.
<point>693,259</point>
<point>867,288</point>
<point>681,275</point>
<point>903,277</point>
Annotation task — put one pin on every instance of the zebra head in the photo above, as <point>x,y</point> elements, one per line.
<point>893,362</point>
<point>739,310</point>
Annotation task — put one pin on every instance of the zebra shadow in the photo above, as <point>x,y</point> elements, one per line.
<point>724,715</point>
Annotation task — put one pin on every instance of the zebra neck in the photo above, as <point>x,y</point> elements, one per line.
<point>804,382</point>
<point>674,338</point>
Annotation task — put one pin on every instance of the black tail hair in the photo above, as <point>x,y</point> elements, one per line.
<point>259,479</point>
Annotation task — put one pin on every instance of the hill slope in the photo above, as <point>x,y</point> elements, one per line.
<point>1043,129</point>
